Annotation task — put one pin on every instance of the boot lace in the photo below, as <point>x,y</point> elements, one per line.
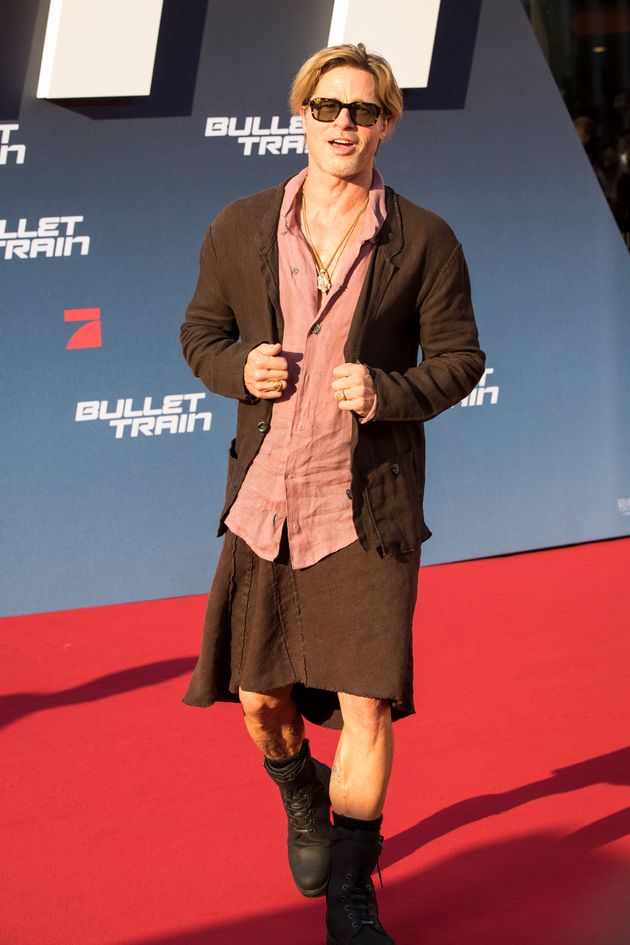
<point>360,899</point>
<point>299,808</point>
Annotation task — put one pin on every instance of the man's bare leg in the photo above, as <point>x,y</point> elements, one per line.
<point>363,761</point>
<point>277,728</point>
<point>360,776</point>
<point>273,722</point>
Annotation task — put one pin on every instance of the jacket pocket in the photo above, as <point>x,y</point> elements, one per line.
<point>393,493</point>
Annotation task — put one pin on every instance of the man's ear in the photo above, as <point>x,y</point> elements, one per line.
<point>386,130</point>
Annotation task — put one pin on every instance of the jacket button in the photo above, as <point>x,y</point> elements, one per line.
<point>316,328</point>
<point>349,493</point>
<point>263,426</point>
<point>395,468</point>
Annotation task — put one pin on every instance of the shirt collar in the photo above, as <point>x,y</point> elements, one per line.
<point>371,222</point>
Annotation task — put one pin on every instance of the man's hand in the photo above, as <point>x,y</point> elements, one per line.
<point>266,372</point>
<point>353,388</point>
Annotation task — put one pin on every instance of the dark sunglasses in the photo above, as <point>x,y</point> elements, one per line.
<point>362,113</point>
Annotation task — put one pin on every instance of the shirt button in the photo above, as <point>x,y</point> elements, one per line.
<point>395,468</point>
<point>296,528</point>
<point>316,328</point>
<point>349,493</point>
<point>263,426</point>
<point>275,518</point>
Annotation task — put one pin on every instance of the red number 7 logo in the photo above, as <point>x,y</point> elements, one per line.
<point>89,335</point>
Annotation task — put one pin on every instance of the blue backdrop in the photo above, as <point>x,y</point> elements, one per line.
<point>114,198</point>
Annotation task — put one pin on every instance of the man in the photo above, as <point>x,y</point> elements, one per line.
<point>312,300</point>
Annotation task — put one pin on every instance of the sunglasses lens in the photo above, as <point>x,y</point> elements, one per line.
<point>327,111</point>
<point>364,116</point>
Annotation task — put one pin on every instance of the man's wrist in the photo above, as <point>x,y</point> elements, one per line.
<point>371,412</point>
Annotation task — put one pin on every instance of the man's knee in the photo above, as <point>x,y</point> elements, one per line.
<point>365,714</point>
<point>265,708</point>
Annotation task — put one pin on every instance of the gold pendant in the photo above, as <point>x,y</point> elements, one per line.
<point>323,281</point>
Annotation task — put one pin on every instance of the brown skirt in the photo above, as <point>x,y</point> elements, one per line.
<point>342,625</point>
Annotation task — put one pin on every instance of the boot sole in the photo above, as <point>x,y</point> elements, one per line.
<point>313,893</point>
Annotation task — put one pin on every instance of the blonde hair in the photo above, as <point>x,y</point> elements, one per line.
<point>387,90</point>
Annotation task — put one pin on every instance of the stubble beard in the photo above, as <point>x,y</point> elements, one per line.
<point>345,167</point>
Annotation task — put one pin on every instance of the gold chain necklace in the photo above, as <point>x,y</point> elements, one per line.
<point>325,271</point>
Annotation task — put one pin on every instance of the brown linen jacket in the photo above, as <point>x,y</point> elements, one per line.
<point>416,295</point>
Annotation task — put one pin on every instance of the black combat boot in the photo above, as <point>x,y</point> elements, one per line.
<point>303,786</point>
<point>351,910</point>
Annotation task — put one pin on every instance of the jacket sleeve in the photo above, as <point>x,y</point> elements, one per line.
<point>210,334</point>
<point>452,361</point>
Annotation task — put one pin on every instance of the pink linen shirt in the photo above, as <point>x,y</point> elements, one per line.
<point>301,473</point>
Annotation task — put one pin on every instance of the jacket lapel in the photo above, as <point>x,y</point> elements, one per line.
<point>389,243</point>
<point>382,267</point>
<point>267,243</point>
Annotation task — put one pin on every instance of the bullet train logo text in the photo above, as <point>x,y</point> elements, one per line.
<point>53,237</point>
<point>257,139</point>
<point>178,413</point>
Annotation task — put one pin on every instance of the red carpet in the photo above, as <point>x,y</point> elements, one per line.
<point>131,819</point>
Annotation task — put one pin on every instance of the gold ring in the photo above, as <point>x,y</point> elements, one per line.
<point>340,395</point>
<point>277,384</point>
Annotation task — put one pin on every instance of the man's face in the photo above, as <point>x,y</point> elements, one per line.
<point>341,148</point>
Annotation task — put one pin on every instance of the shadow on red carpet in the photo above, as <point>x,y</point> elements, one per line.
<point>612,768</point>
<point>17,705</point>
<point>539,889</point>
